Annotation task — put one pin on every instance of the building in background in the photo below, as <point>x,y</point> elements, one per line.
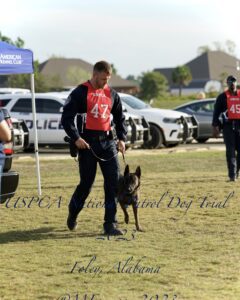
<point>209,72</point>
<point>69,72</point>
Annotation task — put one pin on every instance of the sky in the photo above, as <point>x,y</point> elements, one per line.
<point>135,35</point>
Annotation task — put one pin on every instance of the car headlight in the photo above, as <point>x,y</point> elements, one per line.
<point>127,122</point>
<point>189,119</point>
<point>172,120</point>
<point>138,121</point>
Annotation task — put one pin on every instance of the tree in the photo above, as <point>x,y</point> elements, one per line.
<point>114,70</point>
<point>219,46</point>
<point>75,75</point>
<point>229,47</point>
<point>152,84</point>
<point>18,43</point>
<point>222,79</point>
<point>42,84</point>
<point>203,49</point>
<point>133,78</point>
<point>23,80</point>
<point>181,76</point>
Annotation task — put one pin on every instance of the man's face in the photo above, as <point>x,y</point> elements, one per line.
<point>232,86</point>
<point>101,78</point>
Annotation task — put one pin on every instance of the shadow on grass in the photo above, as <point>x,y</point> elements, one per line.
<point>43,233</point>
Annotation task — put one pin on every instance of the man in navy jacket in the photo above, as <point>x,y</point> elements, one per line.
<point>94,102</point>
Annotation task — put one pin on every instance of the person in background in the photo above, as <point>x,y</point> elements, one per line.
<point>227,106</point>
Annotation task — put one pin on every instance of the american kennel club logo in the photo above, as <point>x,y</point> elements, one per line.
<point>11,59</point>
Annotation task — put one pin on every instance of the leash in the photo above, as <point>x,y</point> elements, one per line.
<point>74,152</point>
<point>102,159</point>
<point>124,160</point>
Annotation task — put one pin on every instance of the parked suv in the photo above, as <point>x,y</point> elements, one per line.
<point>49,110</point>
<point>167,127</point>
<point>9,179</point>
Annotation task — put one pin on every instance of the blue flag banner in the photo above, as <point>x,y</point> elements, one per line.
<point>14,60</point>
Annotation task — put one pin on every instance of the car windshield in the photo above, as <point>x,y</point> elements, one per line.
<point>134,102</point>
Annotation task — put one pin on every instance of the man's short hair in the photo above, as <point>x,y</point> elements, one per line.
<point>231,79</point>
<point>102,66</point>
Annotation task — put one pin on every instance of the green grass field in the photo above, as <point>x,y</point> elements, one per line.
<point>193,252</point>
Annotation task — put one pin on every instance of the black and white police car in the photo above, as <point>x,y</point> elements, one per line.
<point>49,110</point>
<point>167,127</point>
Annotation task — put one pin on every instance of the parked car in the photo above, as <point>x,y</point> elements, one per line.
<point>9,179</point>
<point>167,127</point>
<point>13,91</point>
<point>63,95</point>
<point>202,110</point>
<point>138,130</point>
<point>21,135</point>
<point>49,111</point>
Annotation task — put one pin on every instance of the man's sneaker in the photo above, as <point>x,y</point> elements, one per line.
<point>71,222</point>
<point>232,179</point>
<point>113,231</point>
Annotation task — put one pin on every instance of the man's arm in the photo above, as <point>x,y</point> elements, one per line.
<point>118,117</point>
<point>76,103</point>
<point>219,107</point>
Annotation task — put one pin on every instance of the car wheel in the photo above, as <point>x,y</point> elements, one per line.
<point>156,137</point>
<point>201,140</point>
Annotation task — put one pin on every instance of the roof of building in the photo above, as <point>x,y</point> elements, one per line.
<point>73,71</point>
<point>211,65</point>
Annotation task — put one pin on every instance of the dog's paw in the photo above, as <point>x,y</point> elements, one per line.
<point>126,219</point>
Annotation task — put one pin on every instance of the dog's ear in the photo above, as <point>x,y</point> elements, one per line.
<point>126,172</point>
<point>138,172</point>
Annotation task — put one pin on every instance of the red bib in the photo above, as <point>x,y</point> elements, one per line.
<point>99,106</point>
<point>233,105</point>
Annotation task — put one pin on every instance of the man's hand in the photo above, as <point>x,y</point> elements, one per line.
<point>82,144</point>
<point>121,146</point>
<point>216,131</point>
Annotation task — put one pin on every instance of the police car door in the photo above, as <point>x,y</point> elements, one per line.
<point>50,115</point>
<point>22,110</point>
<point>48,119</point>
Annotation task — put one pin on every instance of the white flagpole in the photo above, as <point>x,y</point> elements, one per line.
<point>35,135</point>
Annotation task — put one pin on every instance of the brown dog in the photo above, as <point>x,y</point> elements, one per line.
<point>128,193</point>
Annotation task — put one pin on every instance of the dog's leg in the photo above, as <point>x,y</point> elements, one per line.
<point>126,216</point>
<point>135,212</point>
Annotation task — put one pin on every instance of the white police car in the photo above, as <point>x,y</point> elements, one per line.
<point>49,110</point>
<point>13,91</point>
<point>167,127</point>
